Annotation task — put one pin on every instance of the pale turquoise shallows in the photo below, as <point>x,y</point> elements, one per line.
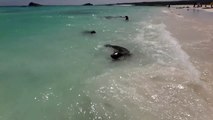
<point>51,70</point>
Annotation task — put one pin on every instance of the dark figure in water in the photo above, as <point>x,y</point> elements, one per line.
<point>118,52</point>
<point>169,6</point>
<point>90,32</point>
<point>110,17</point>
<point>126,18</point>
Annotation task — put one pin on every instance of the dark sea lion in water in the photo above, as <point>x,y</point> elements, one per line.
<point>92,32</point>
<point>89,32</point>
<point>118,52</point>
<point>110,17</point>
<point>126,18</point>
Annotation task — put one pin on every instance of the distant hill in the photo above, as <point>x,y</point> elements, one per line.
<point>87,4</point>
<point>32,4</point>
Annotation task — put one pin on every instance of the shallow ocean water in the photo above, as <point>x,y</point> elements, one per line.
<point>51,70</point>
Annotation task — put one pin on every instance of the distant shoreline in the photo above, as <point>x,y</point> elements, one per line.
<point>165,3</point>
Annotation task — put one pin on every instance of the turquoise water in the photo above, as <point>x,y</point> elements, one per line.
<point>51,70</point>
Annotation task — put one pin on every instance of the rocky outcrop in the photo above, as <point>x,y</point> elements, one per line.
<point>87,4</point>
<point>32,4</point>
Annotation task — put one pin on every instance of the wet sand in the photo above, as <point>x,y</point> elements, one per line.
<point>194,30</point>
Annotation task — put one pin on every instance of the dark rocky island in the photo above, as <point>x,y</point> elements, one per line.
<point>32,4</point>
<point>87,4</point>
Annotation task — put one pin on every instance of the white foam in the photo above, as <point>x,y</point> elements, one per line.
<point>165,11</point>
<point>163,43</point>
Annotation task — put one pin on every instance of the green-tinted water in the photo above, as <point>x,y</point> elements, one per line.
<point>51,70</point>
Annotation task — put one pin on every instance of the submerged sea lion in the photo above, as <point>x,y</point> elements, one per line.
<point>110,17</point>
<point>89,32</point>
<point>118,52</point>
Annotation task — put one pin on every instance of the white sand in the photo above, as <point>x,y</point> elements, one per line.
<point>194,30</point>
<point>208,10</point>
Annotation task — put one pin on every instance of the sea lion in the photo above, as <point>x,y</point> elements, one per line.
<point>110,17</point>
<point>126,18</point>
<point>89,32</point>
<point>119,52</point>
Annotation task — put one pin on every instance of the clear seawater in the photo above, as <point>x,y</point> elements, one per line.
<point>51,70</point>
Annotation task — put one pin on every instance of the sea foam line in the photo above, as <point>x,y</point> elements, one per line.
<point>179,54</point>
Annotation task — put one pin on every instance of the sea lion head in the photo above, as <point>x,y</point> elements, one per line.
<point>116,55</point>
<point>126,18</point>
<point>92,32</point>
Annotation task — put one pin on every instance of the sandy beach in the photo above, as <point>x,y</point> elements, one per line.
<point>208,10</point>
<point>194,30</point>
